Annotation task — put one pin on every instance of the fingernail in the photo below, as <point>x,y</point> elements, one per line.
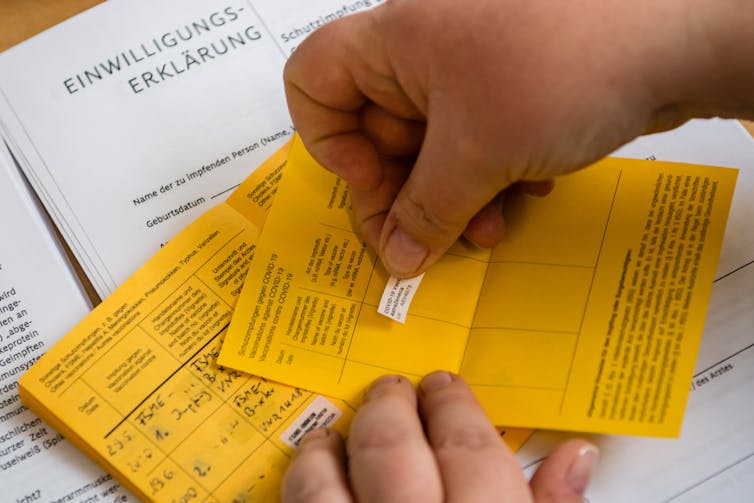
<point>435,381</point>
<point>375,389</point>
<point>581,469</point>
<point>403,255</point>
<point>313,435</point>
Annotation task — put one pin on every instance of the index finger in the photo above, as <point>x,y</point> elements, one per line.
<point>324,101</point>
<point>474,462</point>
<point>388,453</point>
<point>329,79</point>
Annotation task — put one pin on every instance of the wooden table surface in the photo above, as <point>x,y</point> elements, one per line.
<point>21,19</point>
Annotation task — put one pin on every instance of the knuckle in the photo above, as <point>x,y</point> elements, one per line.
<point>308,480</point>
<point>429,219</point>
<point>467,438</point>
<point>308,489</point>
<point>380,438</point>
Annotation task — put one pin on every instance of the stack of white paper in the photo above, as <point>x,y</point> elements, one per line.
<point>133,118</point>
<point>40,300</point>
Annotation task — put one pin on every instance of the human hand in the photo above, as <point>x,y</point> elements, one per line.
<point>438,446</point>
<point>431,109</point>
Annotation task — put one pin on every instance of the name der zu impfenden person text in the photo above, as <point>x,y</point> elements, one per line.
<point>197,174</point>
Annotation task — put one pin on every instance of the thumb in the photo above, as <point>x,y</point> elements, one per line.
<point>449,184</point>
<point>564,476</point>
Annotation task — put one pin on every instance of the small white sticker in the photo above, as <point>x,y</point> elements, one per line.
<point>321,413</point>
<point>397,297</point>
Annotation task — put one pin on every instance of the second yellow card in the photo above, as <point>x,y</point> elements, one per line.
<point>587,317</point>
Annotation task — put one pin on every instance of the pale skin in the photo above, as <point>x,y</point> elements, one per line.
<point>431,110</point>
<point>428,446</point>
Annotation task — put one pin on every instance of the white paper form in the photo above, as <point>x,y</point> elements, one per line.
<point>713,460</point>
<point>40,300</point>
<point>302,18</point>
<point>133,118</point>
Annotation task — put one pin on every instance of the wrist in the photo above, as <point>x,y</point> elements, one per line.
<point>702,65</point>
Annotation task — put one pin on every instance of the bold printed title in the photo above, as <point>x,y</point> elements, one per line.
<point>168,55</point>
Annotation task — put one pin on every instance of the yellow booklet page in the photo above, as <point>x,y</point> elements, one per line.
<point>587,317</point>
<point>136,384</point>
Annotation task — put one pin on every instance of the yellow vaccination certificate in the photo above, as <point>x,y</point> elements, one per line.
<point>136,384</point>
<point>588,316</point>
